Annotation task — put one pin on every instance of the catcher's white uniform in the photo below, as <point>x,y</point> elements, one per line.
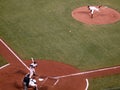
<point>32,83</point>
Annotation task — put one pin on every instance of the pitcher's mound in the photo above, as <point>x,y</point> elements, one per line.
<point>105,15</point>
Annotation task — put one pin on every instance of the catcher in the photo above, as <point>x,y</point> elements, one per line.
<point>29,82</point>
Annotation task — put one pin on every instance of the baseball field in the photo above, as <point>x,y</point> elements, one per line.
<point>46,30</point>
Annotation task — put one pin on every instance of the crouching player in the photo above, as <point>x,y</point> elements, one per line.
<point>29,82</point>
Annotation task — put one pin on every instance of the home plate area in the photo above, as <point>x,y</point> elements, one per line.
<point>52,76</point>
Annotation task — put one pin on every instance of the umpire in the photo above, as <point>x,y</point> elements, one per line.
<point>26,81</point>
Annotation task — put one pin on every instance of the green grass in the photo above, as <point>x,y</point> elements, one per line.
<point>40,29</point>
<point>105,83</point>
<point>2,61</point>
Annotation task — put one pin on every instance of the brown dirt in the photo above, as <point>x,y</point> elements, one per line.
<point>106,15</point>
<point>12,75</point>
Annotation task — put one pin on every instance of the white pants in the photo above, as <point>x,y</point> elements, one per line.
<point>32,83</point>
<point>92,8</point>
<point>32,71</point>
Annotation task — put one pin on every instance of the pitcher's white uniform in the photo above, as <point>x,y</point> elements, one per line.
<point>92,9</point>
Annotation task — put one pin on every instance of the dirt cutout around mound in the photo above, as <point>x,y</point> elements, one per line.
<point>105,15</point>
<point>12,74</point>
<point>70,78</point>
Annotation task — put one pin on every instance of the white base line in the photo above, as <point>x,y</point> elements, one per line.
<point>87,84</point>
<point>87,72</point>
<point>56,82</point>
<point>4,66</point>
<point>75,74</point>
<point>13,53</point>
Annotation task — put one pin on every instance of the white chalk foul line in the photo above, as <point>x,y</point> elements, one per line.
<point>13,53</point>
<point>26,65</point>
<point>87,72</point>
<point>4,66</point>
<point>87,85</point>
